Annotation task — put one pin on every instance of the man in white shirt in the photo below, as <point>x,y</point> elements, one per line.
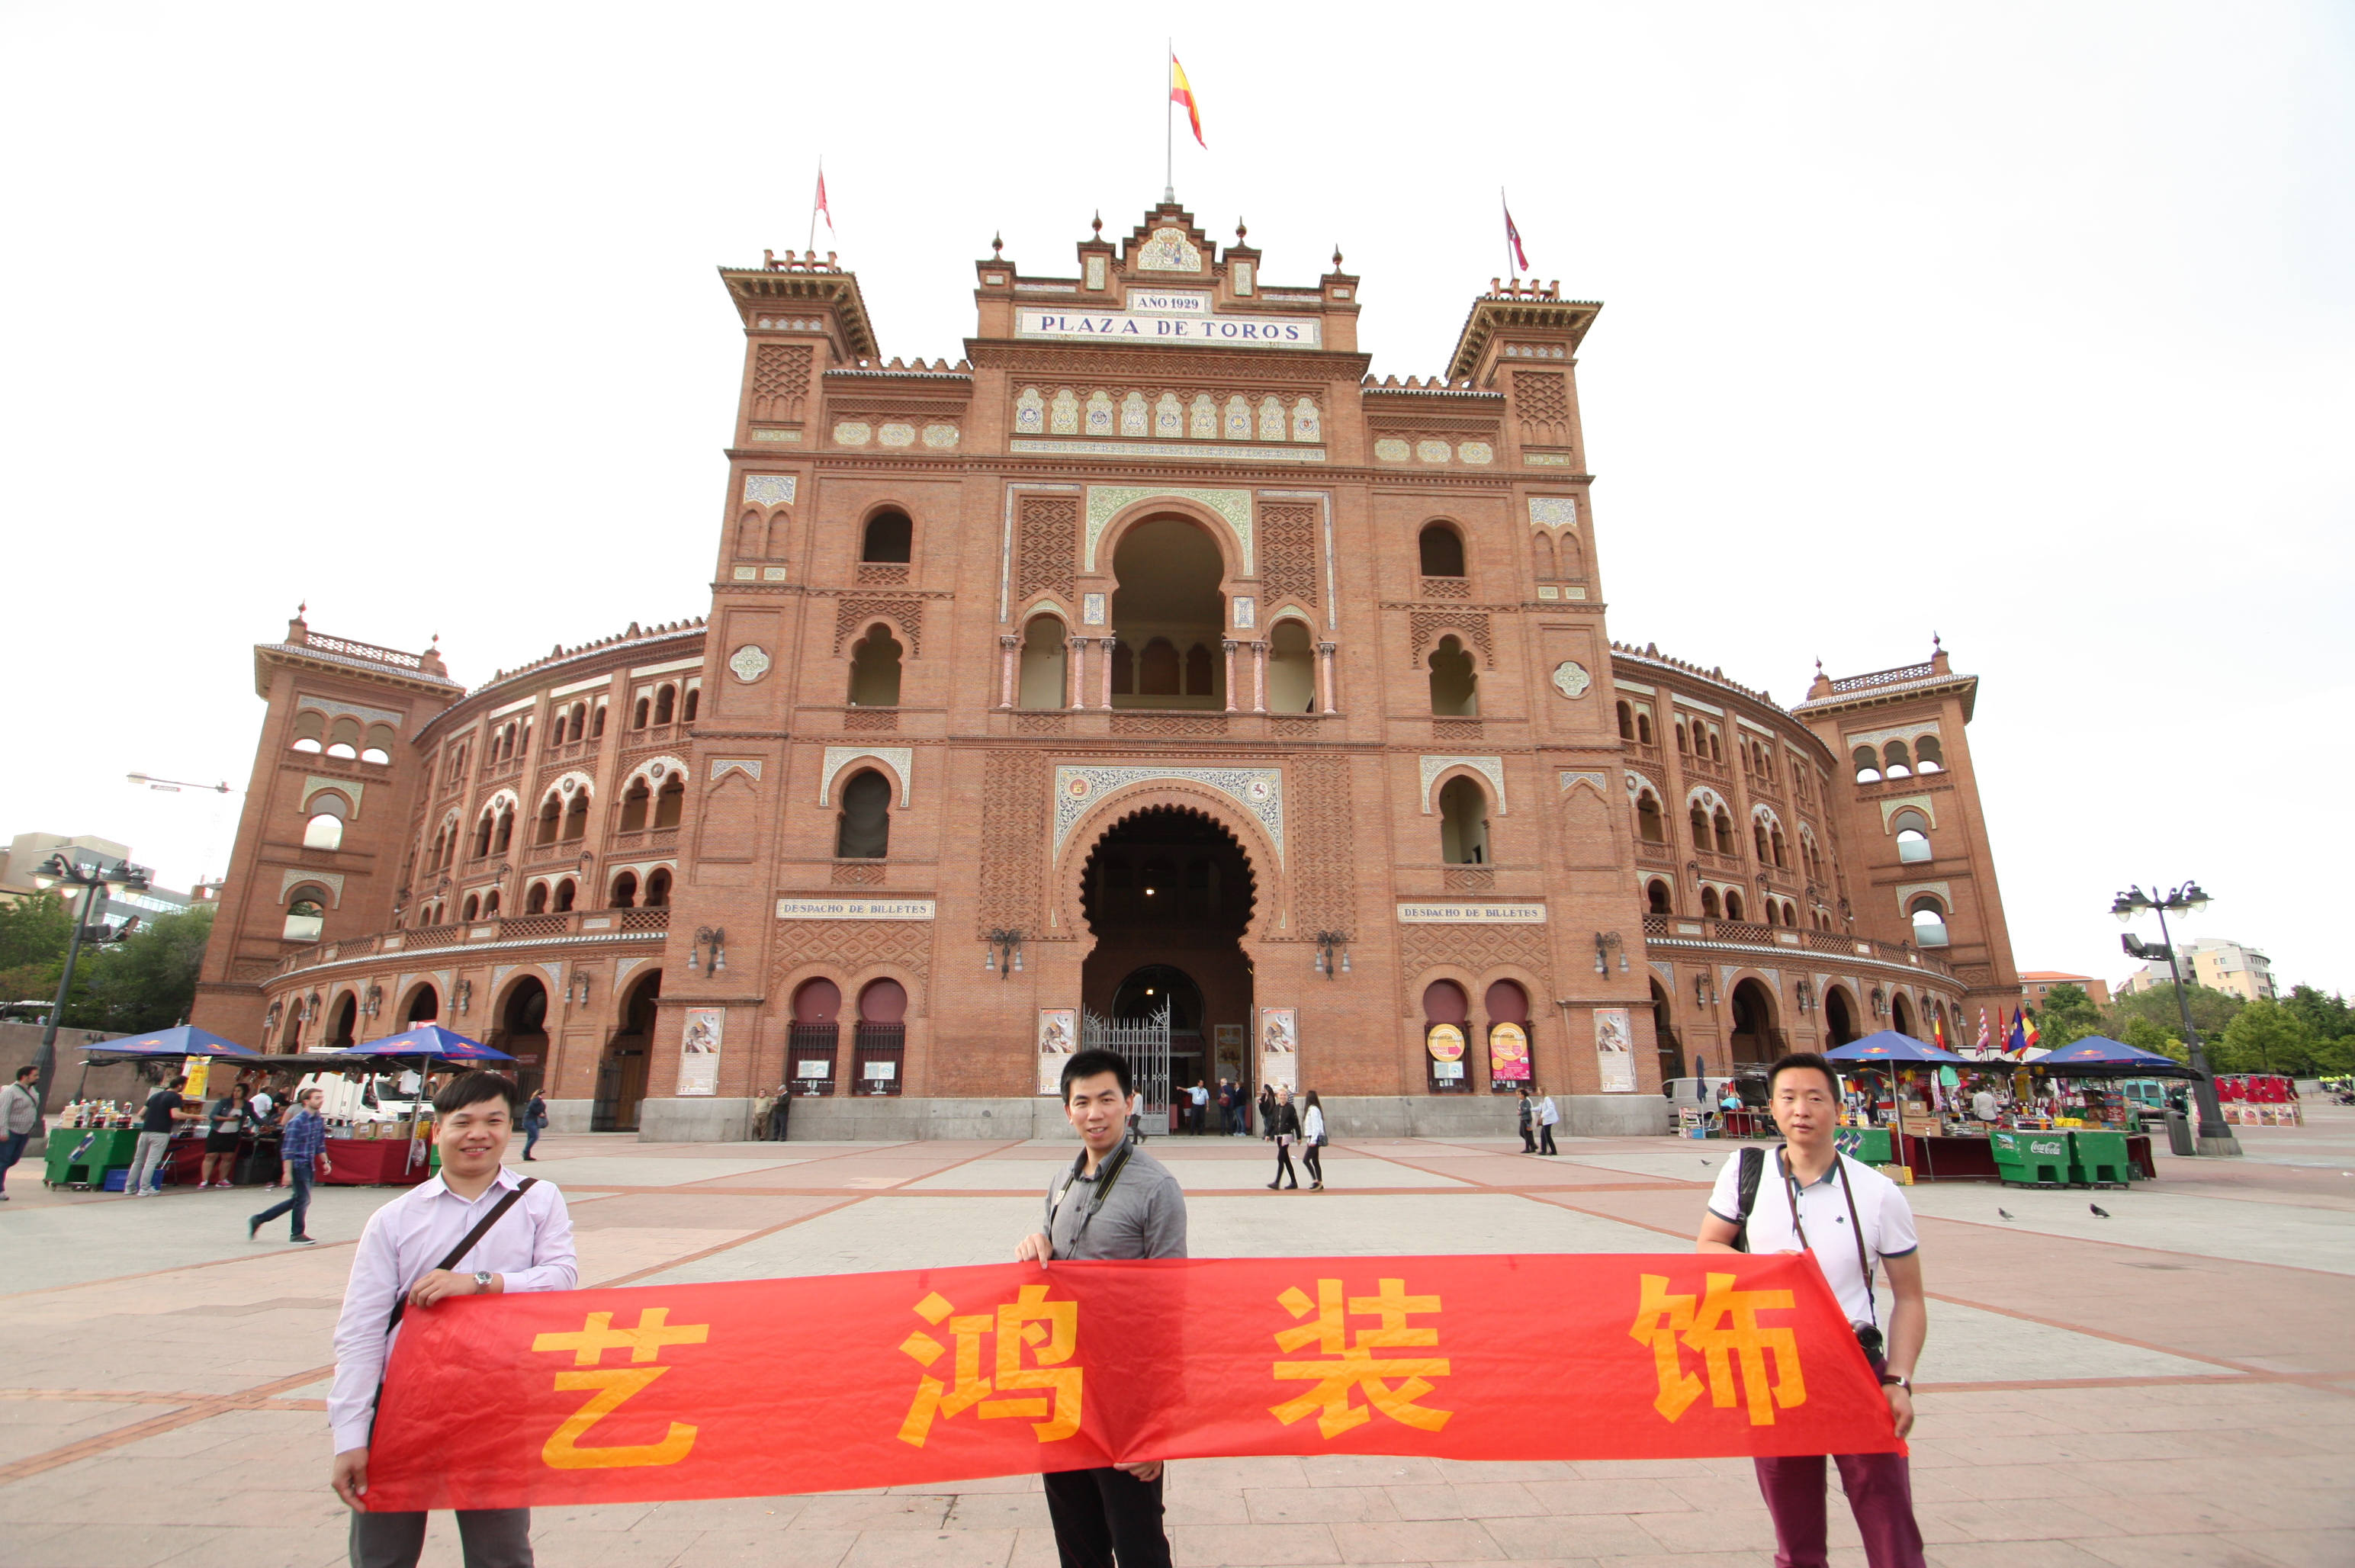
<point>1808,1197</point>
<point>1548,1118</point>
<point>1983,1105</point>
<point>401,1260</point>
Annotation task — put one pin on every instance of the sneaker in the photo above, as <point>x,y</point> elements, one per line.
<point>304,1240</point>
<point>253,1228</point>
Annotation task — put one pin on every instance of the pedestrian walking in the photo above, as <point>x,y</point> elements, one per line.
<point>1549,1117</point>
<point>1114,1202</point>
<point>1266,1110</point>
<point>302,1154</point>
<point>476,1229</point>
<point>534,1121</point>
<point>1312,1139</point>
<point>1226,1106</point>
<point>1850,1217</point>
<point>165,1107</point>
<point>1528,1115</point>
<point>1199,1111</point>
<point>1283,1124</point>
<point>225,1128</point>
<point>20,1114</point>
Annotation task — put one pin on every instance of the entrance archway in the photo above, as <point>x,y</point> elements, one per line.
<point>1168,894</point>
<point>522,1030</point>
<point>621,1072</point>
<point>1901,1015</point>
<point>1664,1034</point>
<point>1839,1016</point>
<point>424,1007</point>
<point>1756,1038</point>
<point>342,1021</point>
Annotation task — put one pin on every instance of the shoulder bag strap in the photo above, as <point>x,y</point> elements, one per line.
<point>466,1243</point>
<point>1753,1167</point>
<point>1863,1263</point>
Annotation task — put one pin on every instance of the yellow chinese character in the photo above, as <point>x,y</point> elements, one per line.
<point>614,1385</point>
<point>1051,1330</point>
<point>1351,1364</point>
<point>1725,1331</point>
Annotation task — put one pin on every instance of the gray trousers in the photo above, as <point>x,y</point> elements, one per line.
<point>147,1165</point>
<point>487,1538</point>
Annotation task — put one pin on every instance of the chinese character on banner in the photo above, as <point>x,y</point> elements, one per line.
<point>614,1386</point>
<point>1723,1328</point>
<point>1048,1330</point>
<point>1350,1362</point>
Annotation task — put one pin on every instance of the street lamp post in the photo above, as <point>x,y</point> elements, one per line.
<point>96,880</point>
<point>2215,1132</point>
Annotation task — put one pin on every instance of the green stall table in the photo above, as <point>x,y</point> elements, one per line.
<point>80,1157</point>
<point>1869,1145</point>
<point>2031,1159</point>
<point>2098,1158</point>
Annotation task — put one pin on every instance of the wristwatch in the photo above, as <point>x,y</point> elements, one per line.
<point>482,1282</point>
<point>1888,1380</point>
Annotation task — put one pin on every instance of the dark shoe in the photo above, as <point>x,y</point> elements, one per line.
<point>1272,1186</point>
<point>304,1240</point>
<point>1293,1188</point>
<point>253,1228</point>
<point>1316,1187</point>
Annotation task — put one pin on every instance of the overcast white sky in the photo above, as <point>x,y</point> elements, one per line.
<point>2026,324</point>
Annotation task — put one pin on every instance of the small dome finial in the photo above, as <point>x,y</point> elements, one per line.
<point>1239,231</point>
<point>997,242</point>
<point>1337,255</point>
<point>1098,224</point>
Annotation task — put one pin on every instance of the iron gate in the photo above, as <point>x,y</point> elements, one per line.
<point>1145,1043</point>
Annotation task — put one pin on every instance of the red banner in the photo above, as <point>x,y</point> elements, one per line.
<point>832,1381</point>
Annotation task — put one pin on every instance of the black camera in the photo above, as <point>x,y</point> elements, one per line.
<point>1869,1335</point>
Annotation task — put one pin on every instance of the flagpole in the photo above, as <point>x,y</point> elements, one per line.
<point>1168,129</point>
<point>1505,208</point>
<point>811,246</point>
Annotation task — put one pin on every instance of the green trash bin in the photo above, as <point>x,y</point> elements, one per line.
<point>2031,1159</point>
<point>1869,1145</point>
<point>80,1157</point>
<point>2098,1158</point>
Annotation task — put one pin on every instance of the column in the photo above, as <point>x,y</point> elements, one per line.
<point>1229,648</point>
<point>1006,680</point>
<point>1076,654</point>
<point>1259,676</point>
<point>1104,655</point>
<point>1325,652</point>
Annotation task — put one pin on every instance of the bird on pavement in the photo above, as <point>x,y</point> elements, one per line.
<point>2005,1212</point>
<point>2099,1212</point>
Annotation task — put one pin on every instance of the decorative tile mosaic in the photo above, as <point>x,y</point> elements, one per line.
<point>1099,414</point>
<point>1258,791</point>
<point>1238,419</point>
<point>1169,252</point>
<point>1476,451</point>
<point>1104,501</point>
<point>1246,611</point>
<point>792,435</point>
<point>746,574</point>
<point>1064,418</point>
<point>1548,590</point>
<point>940,436</point>
<point>1433,451</point>
<point>1091,610</point>
<point>896,435</point>
<point>773,574</point>
<point>902,758</point>
<point>1549,459</point>
<point>1240,274</point>
<point>1553,511</point>
<point>1569,776</point>
<point>1170,449</point>
<point>1569,678</point>
<point>750,663</point>
<point>1203,418</point>
<point>853,433</point>
<point>1029,413</point>
<point>1095,272</point>
<point>1392,450</point>
<point>1306,425</point>
<point>721,766</point>
<point>1270,418</point>
<point>770,489</point>
<point>331,880</point>
<point>1490,768</point>
<point>1134,419</point>
<point>1168,416</point>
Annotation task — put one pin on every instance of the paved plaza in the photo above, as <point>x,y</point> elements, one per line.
<point>2174,1384</point>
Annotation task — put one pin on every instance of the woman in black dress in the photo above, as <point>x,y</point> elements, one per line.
<point>225,1127</point>
<point>1283,1124</point>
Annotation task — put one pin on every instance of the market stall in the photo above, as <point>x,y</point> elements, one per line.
<point>95,1141</point>
<point>397,1151</point>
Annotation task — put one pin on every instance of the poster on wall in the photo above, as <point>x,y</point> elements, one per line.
<point>698,1051</point>
<point>1509,1053</point>
<point>1615,1050</point>
<point>1445,1043</point>
<point>1233,1041</point>
<point>1058,1037</point>
<point>1279,1048</point>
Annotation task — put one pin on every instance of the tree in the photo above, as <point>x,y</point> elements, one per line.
<point>33,936</point>
<point>2212,1011</point>
<point>2067,1015</point>
<point>147,981</point>
<point>2144,1035</point>
<point>2326,1017</point>
<point>2265,1037</point>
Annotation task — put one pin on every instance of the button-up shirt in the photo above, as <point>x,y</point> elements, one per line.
<point>530,1249</point>
<point>1142,1214</point>
<point>306,1139</point>
<point>1777,1226</point>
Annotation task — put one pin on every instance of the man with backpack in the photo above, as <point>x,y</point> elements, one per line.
<point>1807,1197</point>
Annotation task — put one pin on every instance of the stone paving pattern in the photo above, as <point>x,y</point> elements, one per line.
<point>2173,1385</point>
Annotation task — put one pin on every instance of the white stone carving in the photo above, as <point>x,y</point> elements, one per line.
<point>1490,768</point>
<point>1063,418</point>
<point>1569,678</point>
<point>940,436</point>
<point>1433,451</point>
<point>770,489</point>
<point>1031,412</point>
<point>337,707</point>
<point>1392,450</point>
<point>1475,452</point>
<point>853,433</point>
<point>1095,272</point>
<point>749,663</point>
<point>722,766</point>
<point>331,880</point>
<point>897,434</point>
<point>1246,611</point>
<point>1133,418</point>
<point>900,758</point>
<point>1168,250</point>
<point>1593,777</point>
<point>1553,511</point>
<point>1091,610</point>
<point>1258,791</point>
<point>1107,501</point>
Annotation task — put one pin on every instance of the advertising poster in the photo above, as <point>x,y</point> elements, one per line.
<point>1058,1037</point>
<point>698,1051</point>
<point>1445,1043</point>
<point>1509,1053</point>
<point>1279,1049</point>
<point>1615,1050</point>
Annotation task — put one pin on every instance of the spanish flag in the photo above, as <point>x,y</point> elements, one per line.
<point>1182,91</point>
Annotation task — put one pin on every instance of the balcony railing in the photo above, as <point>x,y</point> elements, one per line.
<point>1750,933</point>
<point>1885,678</point>
<point>573,923</point>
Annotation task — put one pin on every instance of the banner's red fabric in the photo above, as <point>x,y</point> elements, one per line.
<point>833,1382</point>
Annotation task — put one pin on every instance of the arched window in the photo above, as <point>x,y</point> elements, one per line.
<point>639,715</point>
<point>658,888</point>
<point>1912,831</point>
<point>1656,895</point>
<point>1124,669</point>
<point>1643,727</point>
<point>1893,761</point>
<point>1158,672</point>
<point>483,827</point>
<point>1544,543</point>
<point>1732,904</point>
<point>625,892</point>
<point>490,903</point>
<point>1774,912</point>
<point>306,913</point>
<point>1044,679</point>
<point>1683,745</point>
<point>1698,818</point>
<point>1650,828</point>
<point>576,816</point>
<point>1442,549</point>
<point>536,901</point>
<point>694,701</point>
<point>636,800</point>
<point>1291,670</point>
<point>1929,922</point>
<point>670,802</point>
<point>1463,822</point>
<point>377,747</point>
<point>505,833</point>
<point>863,829</point>
<point>666,702</point>
<point>1455,683</point>
<point>551,818</point>
<point>1781,850</point>
<point>472,907</point>
<point>326,828</point>
<point>875,669</point>
<point>1928,758</point>
<point>597,722</point>
<point>565,892</point>
<point>1626,721</point>
<point>890,537</point>
<point>1868,766</point>
<point>344,739</point>
<point>1758,838</point>
<point>1716,752</point>
<point>1709,904</point>
<point>1724,825</point>
<point>1199,680</point>
<point>310,731</point>
<point>575,721</point>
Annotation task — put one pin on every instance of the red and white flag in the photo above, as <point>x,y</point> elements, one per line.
<point>1513,239</point>
<point>821,207</point>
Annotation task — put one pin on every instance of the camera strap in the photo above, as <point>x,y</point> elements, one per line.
<point>1856,1229</point>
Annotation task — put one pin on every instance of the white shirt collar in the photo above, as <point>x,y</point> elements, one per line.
<point>437,1188</point>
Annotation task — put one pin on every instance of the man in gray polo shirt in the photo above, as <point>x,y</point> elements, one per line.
<point>1115,1201</point>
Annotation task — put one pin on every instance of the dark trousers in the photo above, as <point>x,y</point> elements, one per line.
<point>531,1131</point>
<point>1106,1516</point>
<point>1879,1494</point>
<point>1545,1139</point>
<point>12,1149</point>
<point>300,1204</point>
<point>1315,1166</point>
<point>1283,1164</point>
<point>487,1538</point>
<point>1528,1137</point>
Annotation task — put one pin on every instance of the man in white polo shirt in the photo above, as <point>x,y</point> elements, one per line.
<point>1807,1197</point>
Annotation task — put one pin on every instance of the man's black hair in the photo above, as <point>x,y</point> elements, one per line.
<point>473,1088</point>
<point>1813,1061</point>
<point>1092,1064</point>
<point>178,1079</point>
<point>28,1070</point>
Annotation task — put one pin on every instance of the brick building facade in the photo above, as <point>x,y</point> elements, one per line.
<point>1154,655</point>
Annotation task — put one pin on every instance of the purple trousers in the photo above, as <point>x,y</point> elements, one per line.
<point>1880,1493</point>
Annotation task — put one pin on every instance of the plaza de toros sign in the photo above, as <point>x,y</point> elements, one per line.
<point>1172,315</point>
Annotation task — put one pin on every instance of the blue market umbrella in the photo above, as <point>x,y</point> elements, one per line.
<point>2097,1054</point>
<point>1888,1045</point>
<point>184,1041</point>
<point>431,1041</point>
